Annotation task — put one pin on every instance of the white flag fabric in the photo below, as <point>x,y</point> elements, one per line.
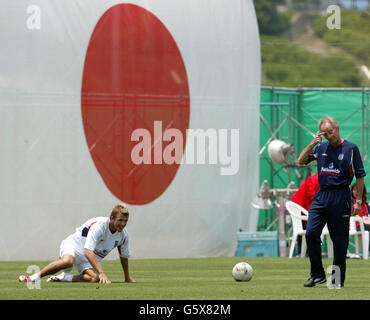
<point>153,103</point>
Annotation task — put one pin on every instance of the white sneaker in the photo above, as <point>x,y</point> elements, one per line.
<point>57,278</point>
<point>24,279</point>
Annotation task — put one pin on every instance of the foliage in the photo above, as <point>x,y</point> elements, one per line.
<point>287,64</point>
<point>353,36</point>
<point>270,21</point>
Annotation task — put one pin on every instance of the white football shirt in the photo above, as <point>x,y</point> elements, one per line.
<point>96,236</point>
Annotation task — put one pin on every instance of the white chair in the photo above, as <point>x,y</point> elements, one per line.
<point>364,236</point>
<point>295,212</point>
<point>297,218</point>
<point>329,243</point>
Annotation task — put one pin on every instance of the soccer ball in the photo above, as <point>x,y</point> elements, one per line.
<point>242,271</point>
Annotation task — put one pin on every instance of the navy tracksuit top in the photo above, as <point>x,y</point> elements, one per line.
<point>336,166</point>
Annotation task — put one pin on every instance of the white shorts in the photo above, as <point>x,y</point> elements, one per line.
<point>80,262</point>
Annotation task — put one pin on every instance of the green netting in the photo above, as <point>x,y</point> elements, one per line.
<point>292,115</point>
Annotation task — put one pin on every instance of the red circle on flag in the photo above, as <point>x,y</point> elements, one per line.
<point>134,76</point>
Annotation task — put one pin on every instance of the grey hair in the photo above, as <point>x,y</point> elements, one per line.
<point>331,120</point>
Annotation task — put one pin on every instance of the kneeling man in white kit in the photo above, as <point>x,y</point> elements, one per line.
<point>85,249</point>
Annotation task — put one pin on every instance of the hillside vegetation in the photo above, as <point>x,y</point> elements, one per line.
<point>288,63</point>
<point>354,35</point>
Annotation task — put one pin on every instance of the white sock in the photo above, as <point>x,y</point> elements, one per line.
<point>67,277</point>
<point>35,277</point>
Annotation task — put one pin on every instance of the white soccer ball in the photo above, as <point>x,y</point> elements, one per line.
<point>242,271</point>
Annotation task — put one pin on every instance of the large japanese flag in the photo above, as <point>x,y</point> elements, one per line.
<point>154,103</point>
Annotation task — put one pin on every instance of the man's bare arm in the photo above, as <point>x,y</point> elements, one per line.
<point>305,154</point>
<point>90,255</point>
<point>126,271</point>
<point>356,208</point>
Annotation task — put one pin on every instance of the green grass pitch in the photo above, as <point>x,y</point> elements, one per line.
<point>193,279</point>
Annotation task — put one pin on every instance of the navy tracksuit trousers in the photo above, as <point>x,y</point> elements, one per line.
<point>331,206</point>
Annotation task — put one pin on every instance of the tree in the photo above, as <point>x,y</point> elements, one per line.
<point>270,21</point>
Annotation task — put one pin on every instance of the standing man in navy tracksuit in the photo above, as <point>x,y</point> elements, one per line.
<point>338,160</point>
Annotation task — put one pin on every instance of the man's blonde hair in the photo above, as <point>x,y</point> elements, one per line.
<point>120,208</point>
<point>331,120</point>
